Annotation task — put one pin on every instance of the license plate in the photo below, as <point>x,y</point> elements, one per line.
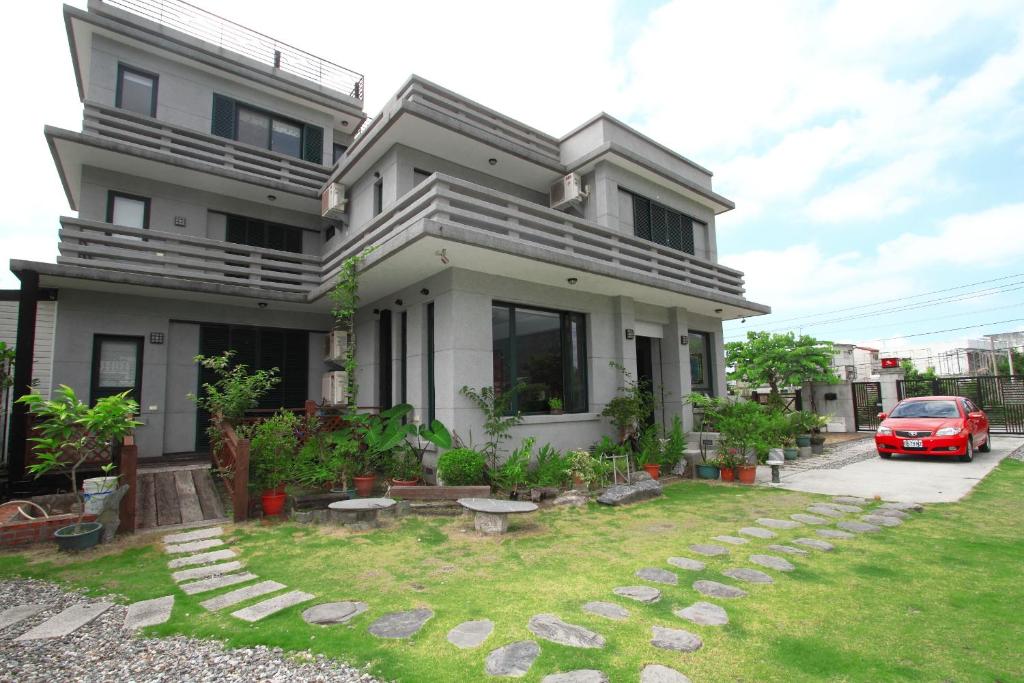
<point>913,443</point>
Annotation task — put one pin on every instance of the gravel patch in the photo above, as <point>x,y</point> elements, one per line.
<point>836,457</point>
<point>103,651</point>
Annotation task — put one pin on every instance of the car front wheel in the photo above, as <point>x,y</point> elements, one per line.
<point>884,456</point>
<point>988,442</point>
<point>968,455</point>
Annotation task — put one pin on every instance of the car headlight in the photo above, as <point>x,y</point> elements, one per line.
<point>884,431</point>
<point>948,431</point>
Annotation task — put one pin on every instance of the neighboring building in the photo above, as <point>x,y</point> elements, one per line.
<point>220,187</point>
<point>855,363</point>
<point>867,361</point>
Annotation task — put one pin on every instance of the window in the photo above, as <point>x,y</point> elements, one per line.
<point>136,91</point>
<point>662,225</point>
<point>255,126</point>
<point>545,352</point>
<point>384,360</point>
<point>127,210</point>
<point>701,379</point>
<point>418,176</point>
<point>336,151</point>
<point>259,233</point>
<point>378,196</point>
<point>116,366</point>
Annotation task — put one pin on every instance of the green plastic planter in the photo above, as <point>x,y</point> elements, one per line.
<point>803,440</point>
<point>790,452</point>
<point>707,471</point>
<point>88,536</point>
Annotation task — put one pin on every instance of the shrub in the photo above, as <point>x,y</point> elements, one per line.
<point>274,443</point>
<point>514,472</point>
<point>551,466</point>
<point>461,467</point>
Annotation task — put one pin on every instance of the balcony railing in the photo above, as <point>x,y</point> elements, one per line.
<point>154,135</point>
<point>227,35</point>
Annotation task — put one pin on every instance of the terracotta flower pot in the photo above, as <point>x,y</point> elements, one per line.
<point>747,473</point>
<point>653,470</point>
<point>728,474</point>
<point>272,502</point>
<point>404,482</point>
<point>364,485</point>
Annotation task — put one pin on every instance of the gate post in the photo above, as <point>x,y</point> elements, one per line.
<point>889,379</point>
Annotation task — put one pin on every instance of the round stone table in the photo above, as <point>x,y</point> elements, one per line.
<point>492,515</point>
<point>360,509</point>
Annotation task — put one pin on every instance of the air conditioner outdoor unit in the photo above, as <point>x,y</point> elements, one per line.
<point>332,201</point>
<point>336,346</point>
<point>335,387</point>
<point>566,191</point>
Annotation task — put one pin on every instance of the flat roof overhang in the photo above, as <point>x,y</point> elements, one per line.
<point>72,150</point>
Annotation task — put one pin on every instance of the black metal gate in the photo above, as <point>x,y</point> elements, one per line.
<point>867,404</point>
<point>1002,398</point>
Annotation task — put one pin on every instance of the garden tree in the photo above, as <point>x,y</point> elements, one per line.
<point>1003,363</point>
<point>911,372</point>
<point>779,360</point>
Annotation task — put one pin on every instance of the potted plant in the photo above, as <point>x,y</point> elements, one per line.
<point>649,452</point>
<point>379,433</point>
<point>581,468</point>
<point>709,409</point>
<point>673,446</point>
<point>72,433</point>
<point>726,463</point>
<point>804,422</point>
<point>631,408</point>
<point>326,459</point>
<point>555,405</point>
<point>514,472</point>
<point>273,450</point>
<point>405,466</point>
<point>789,435</point>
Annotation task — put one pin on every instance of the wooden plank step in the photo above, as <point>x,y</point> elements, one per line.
<point>167,509</point>
<point>209,501</point>
<point>188,499</point>
<point>145,502</point>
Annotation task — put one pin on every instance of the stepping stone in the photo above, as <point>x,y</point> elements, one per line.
<point>13,615</point>
<point>704,613</point>
<point>514,659</point>
<point>814,543</point>
<point>778,523</point>
<point>718,590</point>
<point>550,627</point>
<point>68,621</point>
<point>833,533</point>
<point>400,624</point>
<point>886,512</point>
<point>330,613</point>
<point>608,610</point>
<point>194,546</point>
<point>734,540</point>
<point>658,673</point>
<point>578,676</point>
<point>850,500</point>
<point>644,594</point>
<point>881,520</point>
<point>675,639</point>
<point>658,576</point>
<point>773,562</point>
<point>826,510</point>
<point>787,549</point>
<point>149,612</point>
<point>757,532</point>
<point>709,549</point>
<point>810,519</point>
<point>202,558</point>
<point>264,609</point>
<point>197,535</point>
<point>859,527</point>
<point>845,508</point>
<point>903,507</point>
<point>206,571</point>
<point>470,634</point>
<point>241,595</point>
<point>748,575</point>
<point>687,563</point>
<point>215,582</point>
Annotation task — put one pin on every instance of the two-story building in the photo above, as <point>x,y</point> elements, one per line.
<point>221,178</point>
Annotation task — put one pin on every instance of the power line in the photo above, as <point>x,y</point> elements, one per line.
<point>953,329</point>
<point>933,319</point>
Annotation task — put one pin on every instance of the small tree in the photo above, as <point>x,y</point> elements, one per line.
<point>235,390</point>
<point>1003,364</point>
<point>631,408</point>
<point>911,372</point>
<point>780,360</point>
<point>498,417</point>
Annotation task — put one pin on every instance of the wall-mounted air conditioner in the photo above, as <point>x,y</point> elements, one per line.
<point>332,201</point>
<point>335,388</point>
<point>336,346</point>
<point>566,191</point>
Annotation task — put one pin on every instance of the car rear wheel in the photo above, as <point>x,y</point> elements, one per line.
<point>988,442</point>
<point>884,456</point>
<point>968,455</point>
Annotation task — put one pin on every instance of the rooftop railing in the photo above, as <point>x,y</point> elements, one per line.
<point>227,35</point>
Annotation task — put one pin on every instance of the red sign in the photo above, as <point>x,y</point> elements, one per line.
<point>890,362</point>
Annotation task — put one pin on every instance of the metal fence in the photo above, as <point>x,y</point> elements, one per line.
<point>1002,398</point>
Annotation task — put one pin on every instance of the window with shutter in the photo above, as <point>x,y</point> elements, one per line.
<point>662,225</point>
<point>313,144</point>
<point>223,119</point>
<point>259,233</point>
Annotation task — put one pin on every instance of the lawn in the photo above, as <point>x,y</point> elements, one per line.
<point>936,599</point>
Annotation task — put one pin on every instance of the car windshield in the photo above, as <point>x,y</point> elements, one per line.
<point>926,409</point>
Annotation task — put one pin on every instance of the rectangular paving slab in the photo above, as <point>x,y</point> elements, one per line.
<point>241,595</point>
<point>11,616</point>
<point>216,582</point>
<point>149,612</point>
<point>268,607</point>
<point>206,571</point>
<point>202,558</point>
<point>197,535</point>
<point>66,622</point>
<point>193,546</point>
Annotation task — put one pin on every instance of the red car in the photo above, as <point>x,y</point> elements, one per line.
<point>933,425</point>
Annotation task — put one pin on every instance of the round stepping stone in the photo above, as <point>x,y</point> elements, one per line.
<point>845,508</point>
<point>810,519</point>
<point>550,627</point>
<point>658,576</point>
<point>757,532</point>
<point>787,549</point>
<point>850,500</point>
<point>773,562</point>
<point>644,594</point>
<point>833,533</point>
<point>718,590</point>
<point>826,510</point>
<point>777,523</point>
<point>608,610</point>
<point>333,613</point>
<point>881,520</point>
<point>709,549</point>
<point>658,673</point>
<point>470,634</point>
<point>578,676</point>
<point>687,563</point>
<point>814,543</point>
<point>675,639</point>
<point>904,507</point>
<point>734,540</point>
<point>704,613</point>
<point>859,527</point>
<point>886,512</point>
<point>400,624</point>
<point>514,659</point>
<point>748,575</point>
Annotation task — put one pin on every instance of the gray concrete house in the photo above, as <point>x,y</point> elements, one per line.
<point>220,178</point>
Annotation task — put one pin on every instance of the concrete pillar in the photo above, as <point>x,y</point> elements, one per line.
<point>888,378</point>
<point>675,367</point>
<point>625,349</point>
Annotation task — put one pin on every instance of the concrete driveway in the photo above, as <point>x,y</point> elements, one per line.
<point>903,478</point>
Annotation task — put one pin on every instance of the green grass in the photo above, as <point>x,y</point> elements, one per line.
<point>936,599</point>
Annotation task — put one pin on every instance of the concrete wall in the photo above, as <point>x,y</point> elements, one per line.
<point>840,408</point>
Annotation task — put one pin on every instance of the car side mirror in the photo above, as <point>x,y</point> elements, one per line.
<point>882,416</point>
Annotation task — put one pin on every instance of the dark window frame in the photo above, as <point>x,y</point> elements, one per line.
<point>95,391</point>
<point>709,359</point>
<point>385,361</point>
<point>378,197</point>
<point>271,117</point>
<point>119,87</point>
<point>113,195</point>
<point>652,205</point>
<point>335,153</point>
<point>431,394</point>
<point>288,232</point>
<point>403,390</point>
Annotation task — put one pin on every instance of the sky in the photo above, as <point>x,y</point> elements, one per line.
<point>874,150</point>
